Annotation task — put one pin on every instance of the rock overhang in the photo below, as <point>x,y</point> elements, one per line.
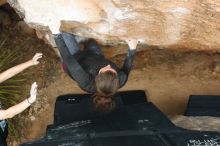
<point>184,24</point>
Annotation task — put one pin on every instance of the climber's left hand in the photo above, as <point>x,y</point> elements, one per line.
<point>132,43</point>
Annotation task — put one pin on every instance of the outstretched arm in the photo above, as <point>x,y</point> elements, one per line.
<point>74,68</point>
<point>18,108</point>
<point>19,68</point>
<point>132,43</point>
<point>126,68</point>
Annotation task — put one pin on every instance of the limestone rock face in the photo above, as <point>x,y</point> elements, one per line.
<point>182,24</point>
<point>200,123</point>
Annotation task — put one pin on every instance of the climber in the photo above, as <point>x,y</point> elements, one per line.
<point>92,71</point>
<point>20,107</point>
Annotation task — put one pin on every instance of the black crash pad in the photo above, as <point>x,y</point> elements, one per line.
<point>203,105</point>
<point>138,124</point>
<point>73,107</point>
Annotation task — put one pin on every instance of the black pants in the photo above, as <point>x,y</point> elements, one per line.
<point>73,46</point>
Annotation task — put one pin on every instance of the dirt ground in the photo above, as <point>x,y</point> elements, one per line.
<point>168,77</point>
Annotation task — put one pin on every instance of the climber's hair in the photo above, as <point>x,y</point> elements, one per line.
<point>107,84</point>
<point>104,104</point>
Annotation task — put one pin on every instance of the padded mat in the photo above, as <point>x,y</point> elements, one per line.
<point>137,123</point>
<point>203,105</point>
<point>74,107</point>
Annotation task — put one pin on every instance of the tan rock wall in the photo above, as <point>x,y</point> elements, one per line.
<point>179,24</point>
<point>2,2</point>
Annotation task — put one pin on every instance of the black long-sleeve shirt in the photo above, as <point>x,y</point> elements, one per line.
<point>84,66</point>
